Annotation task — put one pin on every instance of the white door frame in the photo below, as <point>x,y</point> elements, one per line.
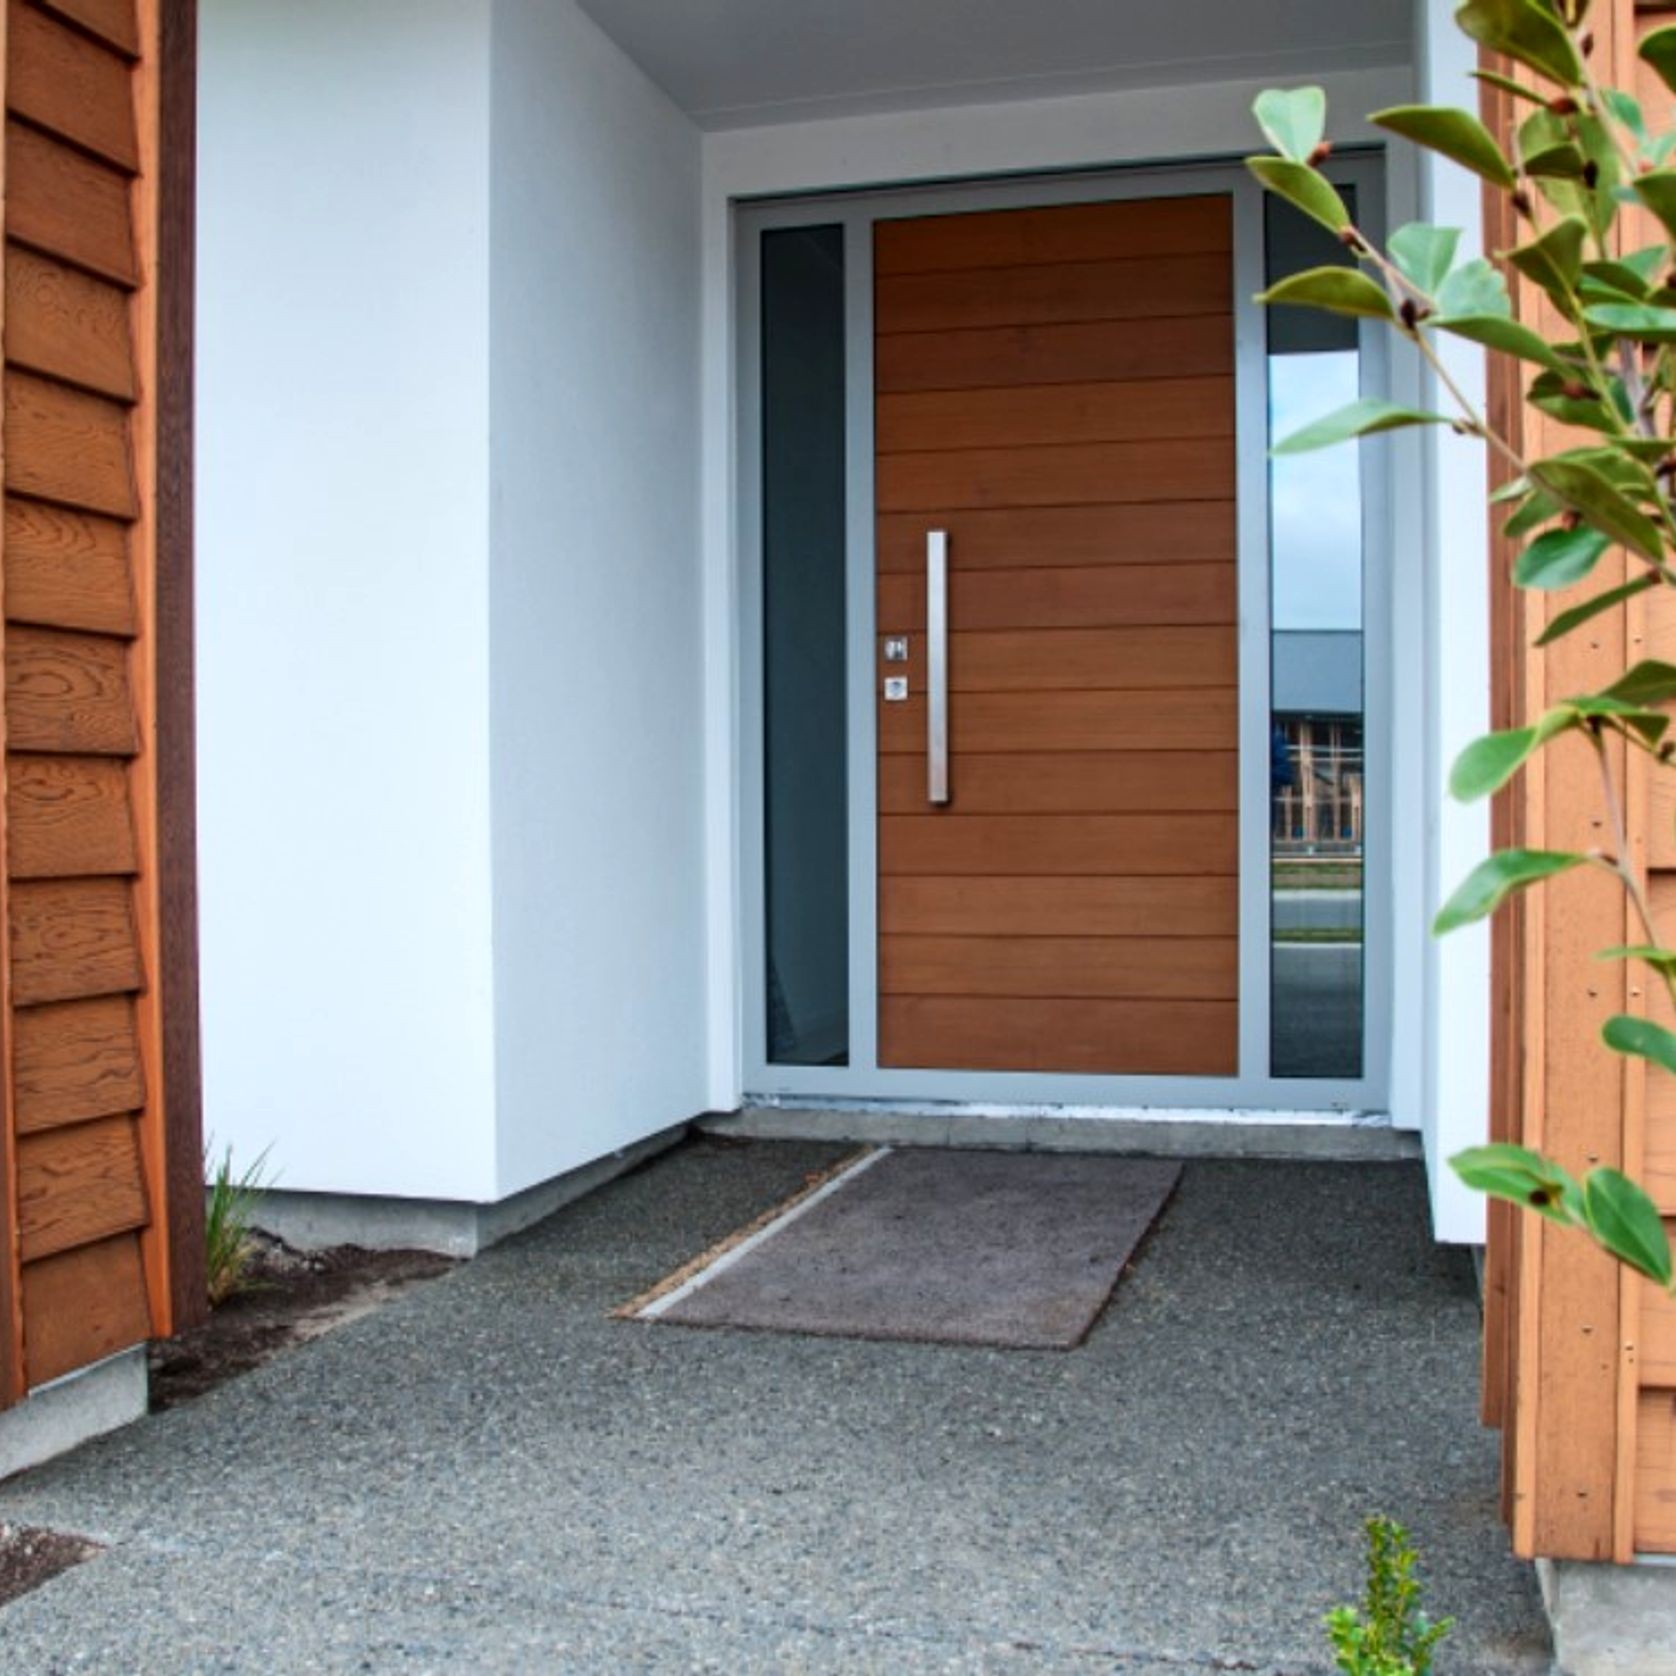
<point>1106,130</point>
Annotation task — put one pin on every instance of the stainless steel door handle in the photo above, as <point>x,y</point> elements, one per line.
<point>937,665</point>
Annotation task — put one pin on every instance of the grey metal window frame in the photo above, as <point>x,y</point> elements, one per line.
<point>1252,1088</point>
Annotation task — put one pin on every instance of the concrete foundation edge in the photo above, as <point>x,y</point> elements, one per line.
<point>72,1410</point>
<point>1151,1137</point>
<point>453,1227</point>
<point>1610,1620</point>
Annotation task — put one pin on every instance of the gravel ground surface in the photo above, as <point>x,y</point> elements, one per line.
<point>489,1474</point>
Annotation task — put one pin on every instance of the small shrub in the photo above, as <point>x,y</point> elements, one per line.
<point>228,1217</point>
<point>1388,1635</point>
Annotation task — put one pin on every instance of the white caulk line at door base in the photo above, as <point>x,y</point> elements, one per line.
<point>731,1256</point>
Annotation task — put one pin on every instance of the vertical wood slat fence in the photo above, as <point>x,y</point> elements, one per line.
<point>101,1221</point>
<point>1580,1367</point>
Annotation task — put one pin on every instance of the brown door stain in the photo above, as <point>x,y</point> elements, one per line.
<point>1055,390</point>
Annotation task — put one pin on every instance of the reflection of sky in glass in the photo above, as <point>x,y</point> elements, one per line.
<point>1315,499</point>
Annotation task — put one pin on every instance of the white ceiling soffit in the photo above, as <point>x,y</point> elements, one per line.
<point>741,63</point>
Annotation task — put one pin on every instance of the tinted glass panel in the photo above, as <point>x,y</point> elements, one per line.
<point>1318,804</point>
<point>806,809</point>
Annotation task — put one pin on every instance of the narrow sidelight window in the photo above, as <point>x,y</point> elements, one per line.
<point>805,842</point>
<point>1318,807</point>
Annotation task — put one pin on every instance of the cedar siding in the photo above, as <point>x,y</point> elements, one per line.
<point>85,1195</point>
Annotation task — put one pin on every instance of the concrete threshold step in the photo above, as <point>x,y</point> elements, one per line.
<point>1155,1134</point>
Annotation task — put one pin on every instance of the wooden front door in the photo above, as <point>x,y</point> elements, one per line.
<point>1055,408</point>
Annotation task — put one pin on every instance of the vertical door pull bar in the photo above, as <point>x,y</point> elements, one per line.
<point>937,665</point>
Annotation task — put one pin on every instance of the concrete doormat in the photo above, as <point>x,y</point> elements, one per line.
<point>1015,1250</point>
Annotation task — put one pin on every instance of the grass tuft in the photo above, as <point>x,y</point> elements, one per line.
<point>228,1224</point>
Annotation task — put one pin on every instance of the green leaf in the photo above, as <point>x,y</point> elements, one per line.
<point>1626,108</point>
<point>1627,1223</point>
<point>1457,135</point>
<point>1487,764</point>
<point>1625,277</point>
<point>1496,878</point>
<point>1641,1039</point>
<point>1575,618</point>
<point>1651,725</point>
<point>1494,78</point>
<point>1555,260</point>
<point>1646,264</point>
<point>1515,1173</point>
<point>1474,289</point>
<point>1302,187</point>
<point>1658,48</point>
<point>1294,119</point>
<point>1560,559</point>
<point>1586,491</point>
<point>1634,320</point>
<point>1337,290</point>
<point>1564,161</point>
<point>1510,337</point>
<point>1651,681</point>
<point>1360,418</point>
<point>1526,32</point>
<point>1657,191</point>
<point>1536,510</point>
<point>1662,960</point>
<point>1424,254</point>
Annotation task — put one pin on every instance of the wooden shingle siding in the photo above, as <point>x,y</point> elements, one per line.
<point>84,1190</point>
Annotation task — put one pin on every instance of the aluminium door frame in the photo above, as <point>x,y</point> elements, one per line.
<point>1251,1089</point>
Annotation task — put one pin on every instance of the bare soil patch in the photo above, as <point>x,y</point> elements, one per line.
<point>30,1557</point>
<point>294,1296</point>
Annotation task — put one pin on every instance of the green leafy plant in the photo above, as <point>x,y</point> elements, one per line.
<point>1578,158</point>
<point>229,1223</point>
<point>1389,1634</point>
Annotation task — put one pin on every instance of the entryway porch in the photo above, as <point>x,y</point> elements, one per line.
<point>492,1474</point>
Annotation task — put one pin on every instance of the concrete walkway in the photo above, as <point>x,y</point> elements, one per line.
<point>490,1475</point>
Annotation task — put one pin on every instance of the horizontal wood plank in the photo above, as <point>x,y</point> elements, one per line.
<point>1188,968</point>
<point>71,939</point>
<point>1096,353</point>
<point>1053,537</point>
<point>68,325</point>
<point>1061,906</point>
<point>1087,597</point>
<point>1030,415</point>
<point>1132,846</point>
<point>1090,1037</point>
<point>68,446</point>
<point>62,80</point>
<point>1046,722</point>
<point>69,205</point>
<point>1058,474</point>
<point>1036,294</point>
<point>83,1305</point>
<point>78,1185</point>
<point>76,1060</point>
<point>68,816</point>
<point>114,21</point>
<point>1069,782</point>
<point>1655,1473</point>
<point>68,693</point>
<point>1062,233</point>
<point>1088,660</point>
<point>67,569</point>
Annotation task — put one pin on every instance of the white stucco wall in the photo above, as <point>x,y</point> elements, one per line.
<point>1454,1098</point>
<point>343,599</point>
<point>596,618</point>
<point>450,629</point>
